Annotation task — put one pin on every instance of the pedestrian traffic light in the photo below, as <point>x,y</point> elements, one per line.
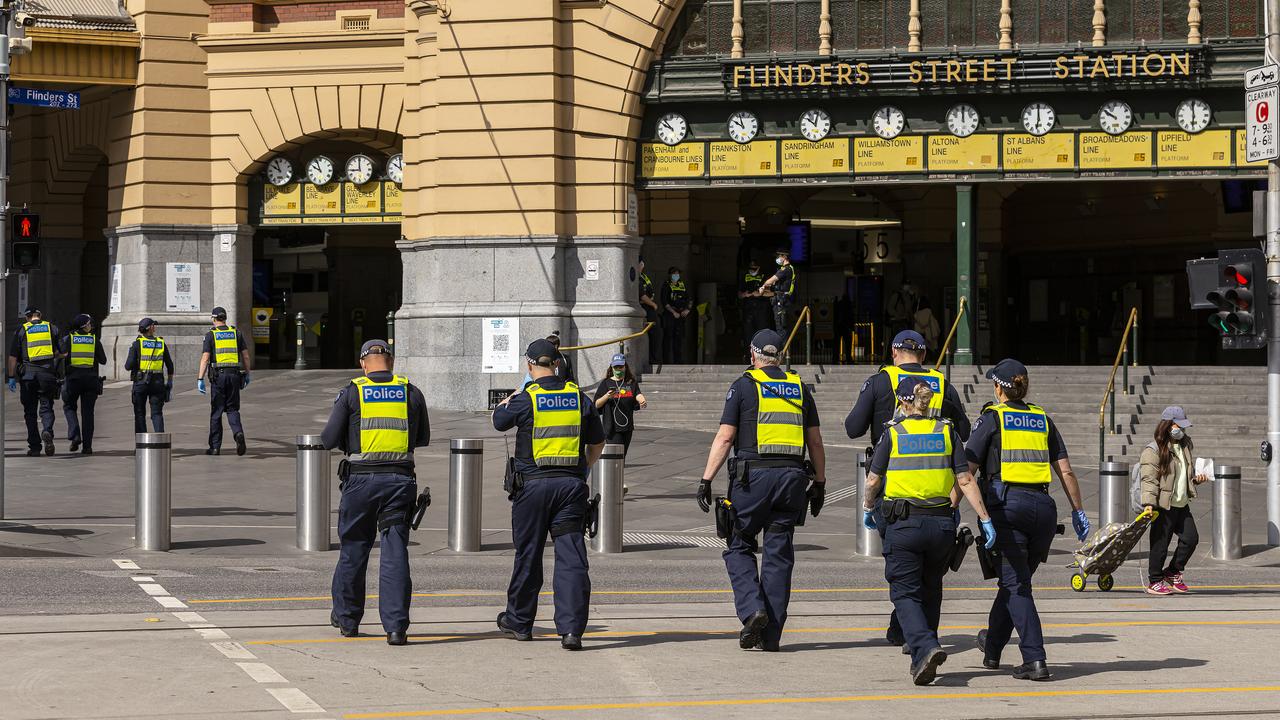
<point>25,229</point>
<point>1240,306</point>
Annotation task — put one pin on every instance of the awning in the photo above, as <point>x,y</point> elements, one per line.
<point>80,42</point>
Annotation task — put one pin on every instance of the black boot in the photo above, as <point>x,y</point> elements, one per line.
<point>927,669</point>
<point>989,661</point>
<point>1036,670</point>
<point>397,638</point>
<point>749,636</point>
<point>511,630</point>
<point>571,642</point>
<point>240,448</point>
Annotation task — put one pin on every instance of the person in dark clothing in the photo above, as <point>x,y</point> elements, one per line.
<point>84,354</point>
<point>150,368</point>
<point>377,421</point>
<point>649,303</point>
<point>676,304</point>
<point>753,307</point>
<point>227,360</point>
<point>562,367</point>
<point>558,439</point>
<point>617,399</point>
<point>33,365</point>
<point>783,286</point>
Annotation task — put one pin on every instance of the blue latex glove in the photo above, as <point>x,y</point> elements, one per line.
<point>1080,523</point>
<point>868,520</point>
<point>200,385</point>
<point>989,530</point>
<point>13,385</point>
<point>246,381</point>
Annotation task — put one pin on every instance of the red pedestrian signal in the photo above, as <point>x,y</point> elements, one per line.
<point>25,231</point>
<point>26,226</point>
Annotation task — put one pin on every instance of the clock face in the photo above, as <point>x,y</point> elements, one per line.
<point>962,120</point>
<point>320,170</point>
<point>395,169</point>
<point>279,171</point>
<point>743,126</point>
<point>1038,118</point>
<point>1193,115</point>
<point>888,122</point>
<point>814,125</point>
<point>359,169</point>
<point>1115,116</point>
<point>672,128</point>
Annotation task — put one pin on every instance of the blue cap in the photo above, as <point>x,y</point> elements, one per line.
<point>146,324</point>
<point>909,340</point>
<point>1003,372</point>
<point>374,347</point>
<point>219,313</point>
<point>906,390</point>
<point>767,342</point>
<point>81,320</point>
<point>541,350</point>
<point>618,360</point>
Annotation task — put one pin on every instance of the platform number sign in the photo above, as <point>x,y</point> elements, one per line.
<point>1262,94</point>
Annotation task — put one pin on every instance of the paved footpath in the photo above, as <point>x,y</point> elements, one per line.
<point>233,623</point>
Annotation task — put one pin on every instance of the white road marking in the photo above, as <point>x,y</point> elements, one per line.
<point>153,589</point>
<point>189,617</point>
<point>294,700</point>
<point>143,578</point>
<point>212,633</point>
<point>261,672</point>
<point>170,602</point>
<point>233,651</point>
<point>126,564</point>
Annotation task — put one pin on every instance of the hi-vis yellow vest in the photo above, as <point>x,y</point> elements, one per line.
<point>779,418</point>
<point>920,461</point>
<point>1024,445</point>
<point>935,379</point>
<point>384,420</point>
<point>39,341</point>
<point>84,350</point>
<point>150,354</point>
<point>226,347</point>
<point>790,289</point>
<point>557,425</point>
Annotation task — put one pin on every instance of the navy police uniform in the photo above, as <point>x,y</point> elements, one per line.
<point>83,354</point>
<point>651,316</point>
<point>675,295</point>
<point>225,345</point>
<point>555,424</point>
<point>150,368</point>
<point>33,355</point>
<point>755,310</point>
<point>784,289</point>
<point>377,421</point>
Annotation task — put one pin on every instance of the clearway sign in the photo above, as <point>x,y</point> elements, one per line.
<point>44,98</point>
<point>1262,116</point>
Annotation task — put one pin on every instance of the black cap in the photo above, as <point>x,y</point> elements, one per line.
<point>767,342</point>
<point>218,312</point>
<point>1003,372</point>
<point>32,310</point>
<point>906,390</point>
<point>541,352</point>
<point>81,320</point>
<point>374,347</point>
<point>909,340</point>
<point>145,324</point>
<point>784,251</point>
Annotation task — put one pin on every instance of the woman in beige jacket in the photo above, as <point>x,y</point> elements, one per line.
<point>1169,483</point>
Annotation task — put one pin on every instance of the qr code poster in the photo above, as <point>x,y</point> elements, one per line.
<point>501,340</point>
<point>182,285</point>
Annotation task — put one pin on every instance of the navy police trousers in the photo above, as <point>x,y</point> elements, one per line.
<point>79,399</point>
<point>224,398</point>
<point>555,505</point>
<point>1025,524</point>
<point>916,552</point>
<point>374,506</point>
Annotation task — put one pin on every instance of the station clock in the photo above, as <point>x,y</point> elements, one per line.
<point>743,127</point>
<point>279,171</point>
<point>395,169</point>
<point>888,122</point>
<point>815,124</point>
<point>1115,116</point>
<point>1038,118</point>
<point>962,120</point>
<point>320,170</point>
<point>672,128</point>
<point>359,169</point>
<point>1193,115</point>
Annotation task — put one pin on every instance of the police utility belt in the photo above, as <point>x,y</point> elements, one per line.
<point>902,508</point>
<point>415,513</point>
<point>513,482</point>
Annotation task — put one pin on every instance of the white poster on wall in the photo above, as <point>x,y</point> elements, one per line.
<point>116,272</point>
<point>182,287</point>
<point>500,338</point>
<point>24,292</point>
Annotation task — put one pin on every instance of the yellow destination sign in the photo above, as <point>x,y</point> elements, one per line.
<point>1209,149</point>
<point>1100,151</point>
<point>392,199</point>
<point>267,220</point>
<point>876,156</point>
<point>283,200</point>
<point>361,219</point>
<point>976,153</point>
<point>825,157</point>
<point>1241,155</point>
<point>729,159</point>
<point>363,199</point>
<point>322,199</point>
<point>685,160</point>
<point>1055,151</point>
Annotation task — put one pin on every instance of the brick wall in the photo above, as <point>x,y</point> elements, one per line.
<point>272,15</point>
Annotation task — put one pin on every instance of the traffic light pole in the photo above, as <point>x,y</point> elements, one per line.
<point>5,11</point>
<point>1272,251</point>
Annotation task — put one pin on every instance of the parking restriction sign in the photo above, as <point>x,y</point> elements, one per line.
<point>1263,92</point>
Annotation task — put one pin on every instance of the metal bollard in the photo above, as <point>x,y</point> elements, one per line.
<point>1228,538</point>
<point>866,542</point>
<point>313,503</point>
<point>1113,493</point>
<point>466,478</point>
<point>153,496</point>
<point>606,479</point>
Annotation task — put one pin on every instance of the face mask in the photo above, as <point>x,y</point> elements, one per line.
<point>675,277</point>
<point>1176,433</point>
<point>619,373</point>
<point>779,261</point>
<point>755,270</point>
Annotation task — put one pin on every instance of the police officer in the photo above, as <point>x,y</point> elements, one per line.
<point>769,421</point>
<point>1017,447</point>
<point>675,308</point>
<point>33,347</point>
<point>649,303</point>
<point>83,353</point>
<point>562,367</point>
<point>150,367</point>
<point>922,462</point>
<point>783,286</point>
<point>876,404</point>
<point>754,307</point>
<point>558,439</point>
<point>377,421</point>
<point>227,359</point>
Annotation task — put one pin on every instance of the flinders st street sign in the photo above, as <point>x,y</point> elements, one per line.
<point>1082,67</point>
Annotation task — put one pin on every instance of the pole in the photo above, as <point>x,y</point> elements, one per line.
<point>1113,493</point>
<point>1273,304</point>
<point>153,495</point>
<point>466,478</point>
<point>808,338</point>
<point>313,495</point>
<point>300,362</point>
<point>391,329</point>
<point>607,479</point>
<point>1228,535</point>
<point>865,542</point>
<point>966,269</point>
<point>4,214</point>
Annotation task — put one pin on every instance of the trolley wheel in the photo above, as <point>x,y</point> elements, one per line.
<point>1077,582</point>
<point>1106,582</point>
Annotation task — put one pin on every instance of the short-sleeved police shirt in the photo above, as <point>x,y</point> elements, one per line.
<point>518,413</point>
<point>983,447</point>
<point>742,404</point>
<point>880,460</point>
<point>241,345</point>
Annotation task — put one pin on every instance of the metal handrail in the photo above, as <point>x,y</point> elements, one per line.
<point>805,315</point>
<point>955,325</point>
<point>648,326</point>
<point>871,341</point>
<point>1110,394</point>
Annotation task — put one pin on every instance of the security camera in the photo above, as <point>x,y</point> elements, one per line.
<point>24,20</point>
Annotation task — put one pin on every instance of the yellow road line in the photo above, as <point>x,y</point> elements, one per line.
<point>723,591</point>
<point>650,633</point>
<point>728,702</point>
